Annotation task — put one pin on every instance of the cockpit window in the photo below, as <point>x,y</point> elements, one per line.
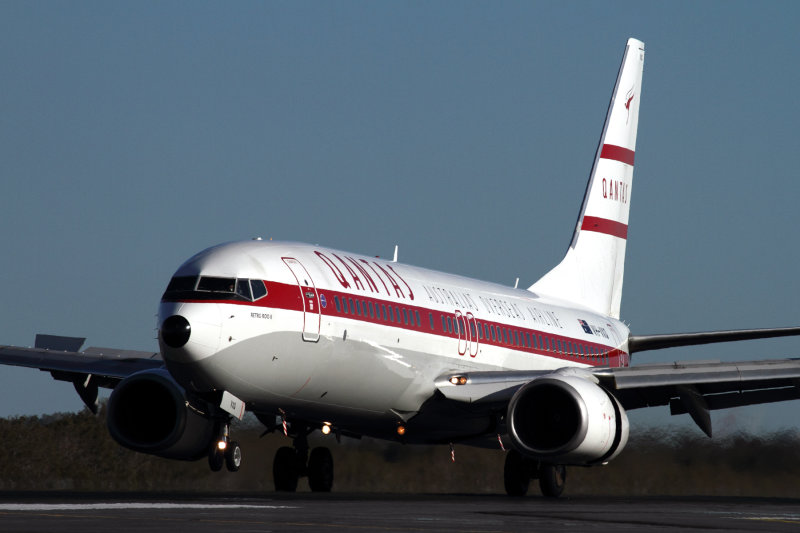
<point>182,283</point>
<point>243,288</point>
<point>210,284</point>
<point>214,288</point>
<point>259,290</point>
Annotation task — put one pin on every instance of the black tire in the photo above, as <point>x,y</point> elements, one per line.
<point>552,480</point>
<point>284,470</point>
<point>320,470</point>
<point>233,456</point>
<point>215,458</point>
<point>516,477</point>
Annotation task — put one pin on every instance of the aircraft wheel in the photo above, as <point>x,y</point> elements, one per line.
<point>516,477</point>
<point>552,479</point>
<point>284,469</point>
<point>320,470</point>
<point>215,458</point>
<point>233,456</point>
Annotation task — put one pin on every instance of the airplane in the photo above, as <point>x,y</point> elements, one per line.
<point>309,339</point>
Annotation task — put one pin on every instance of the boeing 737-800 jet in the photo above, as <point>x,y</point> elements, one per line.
<point>309,338</point>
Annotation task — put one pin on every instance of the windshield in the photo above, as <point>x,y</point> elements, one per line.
<point>214,288</point>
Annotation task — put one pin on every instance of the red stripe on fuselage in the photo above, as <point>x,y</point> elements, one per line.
<point>617,153</point>
<point>285,296</point>
<point>603,225</point>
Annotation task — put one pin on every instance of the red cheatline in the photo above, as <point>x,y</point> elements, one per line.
<point>603,225</point>
<point>617,153</point>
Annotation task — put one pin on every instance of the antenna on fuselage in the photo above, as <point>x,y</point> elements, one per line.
<point>395,253</point>
<point>516,284</point>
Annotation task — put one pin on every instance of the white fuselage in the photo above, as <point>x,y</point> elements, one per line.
<point>353,340</point>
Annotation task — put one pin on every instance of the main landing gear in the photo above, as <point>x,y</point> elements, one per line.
<point>519,471</point>
<point>291,463</point>
<point>225,451</point>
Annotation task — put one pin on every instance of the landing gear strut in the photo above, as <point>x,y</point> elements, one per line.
<point>519,471</point>
<point>225,451</point>
<point>291,463</point>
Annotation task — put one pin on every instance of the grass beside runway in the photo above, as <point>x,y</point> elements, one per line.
<point>75,452</point>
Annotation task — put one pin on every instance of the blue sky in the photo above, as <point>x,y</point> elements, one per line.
<point>133,135</point>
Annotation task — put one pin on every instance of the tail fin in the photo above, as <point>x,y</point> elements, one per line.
<point>591,272</point>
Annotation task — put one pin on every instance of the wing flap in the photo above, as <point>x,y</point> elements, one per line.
<point>712,375</point>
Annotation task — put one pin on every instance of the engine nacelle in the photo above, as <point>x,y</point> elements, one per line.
<point>567,419</point>
<point>148,412</point>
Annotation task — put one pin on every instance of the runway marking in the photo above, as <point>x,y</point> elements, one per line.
<point>788,519</point>
<point>131,505</point>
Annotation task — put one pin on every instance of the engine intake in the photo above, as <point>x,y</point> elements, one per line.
<point>148,412</point>
<point>567,419</point>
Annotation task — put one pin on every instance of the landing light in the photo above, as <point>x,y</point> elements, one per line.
<point>401,430</point>
<point>222,445</point>
<point>458,380</point>
<point>326,428</point>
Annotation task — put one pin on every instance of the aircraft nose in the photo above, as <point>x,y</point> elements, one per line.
<point>175,331</point>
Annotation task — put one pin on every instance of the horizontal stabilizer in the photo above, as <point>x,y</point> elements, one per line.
<point>641,343</point>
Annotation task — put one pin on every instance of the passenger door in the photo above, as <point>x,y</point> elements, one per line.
<point>312,316</point>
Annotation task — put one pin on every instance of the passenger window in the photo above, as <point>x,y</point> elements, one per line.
<point>338,304</point>
<point>258,287</point>
<point>391,314</point>
<point>430,318</point>
<point>352,307</point>
<point>416,315</point>
<point>472,330</point>
<point>494,336</point>
<point>450,325</point>
<point>405,316</point>
<point>383,308</point>
<point>371,310</point>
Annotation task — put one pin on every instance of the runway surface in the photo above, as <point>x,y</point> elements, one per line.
<point>155,513</point>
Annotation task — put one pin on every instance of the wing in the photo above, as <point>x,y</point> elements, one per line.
<point>695,387</point>
<point>87,370</point>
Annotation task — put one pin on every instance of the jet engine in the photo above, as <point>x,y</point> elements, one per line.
<point>567,419</point>
<point>149,412</point>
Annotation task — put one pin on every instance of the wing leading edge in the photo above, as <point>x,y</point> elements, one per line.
<point>87,370</point>
<point>695,387</point>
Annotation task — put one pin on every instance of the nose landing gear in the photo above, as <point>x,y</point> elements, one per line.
<point>225,451</point>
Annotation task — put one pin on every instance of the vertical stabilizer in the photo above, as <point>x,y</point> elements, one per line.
<point>591,273</point>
